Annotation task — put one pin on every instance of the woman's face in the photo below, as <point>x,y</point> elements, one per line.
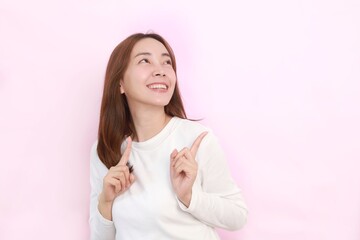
<point>150,78</point>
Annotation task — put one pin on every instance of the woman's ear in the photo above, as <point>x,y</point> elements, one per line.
<point>121,87</point>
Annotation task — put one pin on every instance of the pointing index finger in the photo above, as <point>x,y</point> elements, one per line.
<point>194,148</point>
<point>125,157</point>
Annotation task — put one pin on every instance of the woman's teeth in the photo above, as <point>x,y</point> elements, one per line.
<point>157,86</point>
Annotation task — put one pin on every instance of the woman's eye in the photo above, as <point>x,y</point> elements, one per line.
<point>144,60</point>
<point>168,62</point>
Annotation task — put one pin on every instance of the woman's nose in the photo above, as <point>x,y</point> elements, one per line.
<point>159,72</point>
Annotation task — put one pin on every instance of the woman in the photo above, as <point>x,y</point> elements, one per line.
<point>155,174</point>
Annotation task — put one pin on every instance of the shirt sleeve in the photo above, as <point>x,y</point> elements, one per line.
<point>100,227</point>
<point>216,201</point>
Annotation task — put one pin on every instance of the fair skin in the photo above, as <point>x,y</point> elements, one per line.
<point>148,85</point>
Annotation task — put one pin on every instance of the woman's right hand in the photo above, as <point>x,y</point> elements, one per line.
<point>117,181</point>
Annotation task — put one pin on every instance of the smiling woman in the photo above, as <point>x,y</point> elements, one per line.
<point>149,79</point>
<point>155,174</point>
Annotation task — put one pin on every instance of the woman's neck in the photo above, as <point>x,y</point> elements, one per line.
<point>149,122</point>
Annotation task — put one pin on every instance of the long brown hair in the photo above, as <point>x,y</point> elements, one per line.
<point>115,119</point>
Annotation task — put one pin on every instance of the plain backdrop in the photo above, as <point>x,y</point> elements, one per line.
<point>278,82</point>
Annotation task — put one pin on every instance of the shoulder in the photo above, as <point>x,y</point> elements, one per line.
<point>94,158</point>
<point>191,129</point>
<point>93,150</point>
<point>191,125</point>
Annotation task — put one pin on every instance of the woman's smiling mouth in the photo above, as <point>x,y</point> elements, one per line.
<point>160,86</point>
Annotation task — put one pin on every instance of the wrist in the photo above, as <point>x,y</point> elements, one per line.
<point>186,199</point>
<point>103,201</point>
<point>105,207</point>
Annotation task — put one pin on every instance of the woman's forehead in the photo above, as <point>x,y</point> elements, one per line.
<point>149,45</point>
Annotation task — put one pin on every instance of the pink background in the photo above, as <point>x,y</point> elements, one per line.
<point>278,81</point>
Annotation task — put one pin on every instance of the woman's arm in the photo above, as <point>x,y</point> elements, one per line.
<point>217,201</point>
<point>100,227</point>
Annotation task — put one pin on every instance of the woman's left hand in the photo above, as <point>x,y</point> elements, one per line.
<point>183,170</point>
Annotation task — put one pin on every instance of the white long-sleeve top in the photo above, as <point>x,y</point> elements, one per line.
<point>150,208</point>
